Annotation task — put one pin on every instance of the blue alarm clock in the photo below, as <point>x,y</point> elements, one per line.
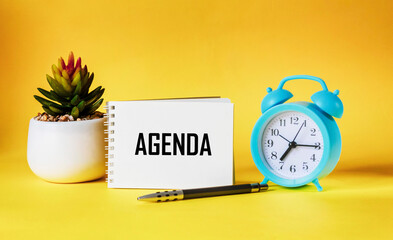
<point>296,143</point>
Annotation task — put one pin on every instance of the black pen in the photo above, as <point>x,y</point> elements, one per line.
<point>203,192</point>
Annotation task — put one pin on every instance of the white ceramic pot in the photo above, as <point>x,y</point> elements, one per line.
<point>67,152</point>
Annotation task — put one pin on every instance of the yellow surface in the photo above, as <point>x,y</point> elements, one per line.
<point>236,49</point>
<point>355,204</point>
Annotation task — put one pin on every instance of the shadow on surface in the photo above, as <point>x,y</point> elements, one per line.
<point>71,183</point>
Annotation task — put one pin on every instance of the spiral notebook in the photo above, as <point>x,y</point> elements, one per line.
<point>172,143</point>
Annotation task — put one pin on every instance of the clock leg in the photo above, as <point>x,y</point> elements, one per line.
<point>265,180</point>
<point>316,183</point>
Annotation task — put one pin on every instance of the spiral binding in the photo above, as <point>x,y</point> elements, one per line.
<point>109,115</point>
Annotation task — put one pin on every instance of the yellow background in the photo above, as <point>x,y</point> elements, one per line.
<point>235,49</point>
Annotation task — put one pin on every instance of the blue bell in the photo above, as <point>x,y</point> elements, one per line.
<point>274,98</point>
<point>329,102</point>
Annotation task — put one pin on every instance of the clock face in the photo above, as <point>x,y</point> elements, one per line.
<point>292,145</point>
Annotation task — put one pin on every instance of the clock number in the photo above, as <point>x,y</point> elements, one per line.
<point>270,143</point>
<point>305,166</point>
<point>292,168</point>
<point>274,155</point>
<point>318,146</point>
<point>294,120</point>
<point>275,132</point>
<point>313,130</point>
<point>282,122</point>
<point>282,165</point>
<point>305,123</point>
<point>313,158</point>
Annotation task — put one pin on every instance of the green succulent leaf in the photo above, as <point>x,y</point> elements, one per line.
<point>92,94</point>
<point>48,111</point>
<point>85,78</point>
<point>81,106</point>
<point>75,112</point>
<point>75,100</point>
<point>92,108</point>
<point>47,103</point>
<point>86,87</point>
<point>83,72</point>
<point>46,94</point>
<point>76,80</point>
<point>56,110</point>
<point>57,97</point>
<point>53,96</point>
<point>66,86</point>
<point>65,102</point>
<point>57,87</point>
<point>78,88</point>
<point>96,97</point>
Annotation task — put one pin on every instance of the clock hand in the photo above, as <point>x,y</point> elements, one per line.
<point>285,153</point>
<point>298,132</point>
<point>306,145</point>
<point>284,138</point>
<point>291,145</point>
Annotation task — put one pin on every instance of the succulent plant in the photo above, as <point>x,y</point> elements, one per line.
<point>70,90</point>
